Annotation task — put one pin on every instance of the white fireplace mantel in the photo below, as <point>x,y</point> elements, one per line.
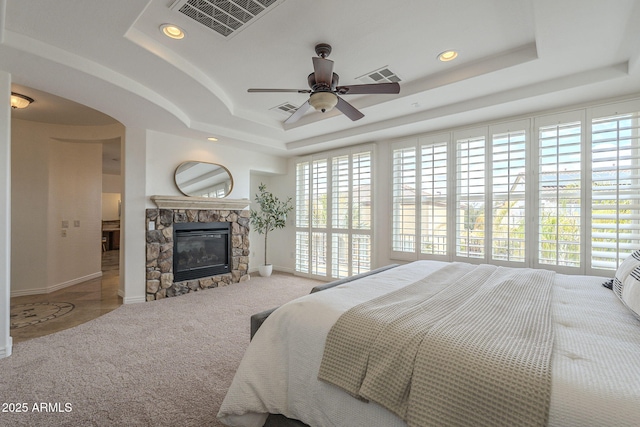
<point>184,202</point>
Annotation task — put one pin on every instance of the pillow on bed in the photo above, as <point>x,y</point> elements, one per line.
<point>626,283</point>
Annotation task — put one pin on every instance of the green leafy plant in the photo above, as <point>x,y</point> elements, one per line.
<point>272,214</point>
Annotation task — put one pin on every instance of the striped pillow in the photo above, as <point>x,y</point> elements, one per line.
<point>626,283</point>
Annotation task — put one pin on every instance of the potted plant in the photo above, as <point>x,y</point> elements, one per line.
<point>272,214</point>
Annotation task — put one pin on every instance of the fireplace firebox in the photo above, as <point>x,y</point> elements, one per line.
<point>201,250</point>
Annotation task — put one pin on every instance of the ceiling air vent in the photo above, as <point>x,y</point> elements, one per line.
<point>382,75</point>
<point>225,17</point>
<point>286,108</point>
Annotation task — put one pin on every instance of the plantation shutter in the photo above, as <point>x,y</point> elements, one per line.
<point>333,213</point>
<point>319,210</point>
<point>404,199</point>
<point>508,195</point>
<point>361,212</point>
<point>303,208</point>
<point>615,189</point>
<point>433,199</point>
<point>559,194</point>
<point>340,186</point>
<point>470,197</point>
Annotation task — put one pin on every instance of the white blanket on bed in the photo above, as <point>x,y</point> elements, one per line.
<point>595,365</point>
<point>469,354</point>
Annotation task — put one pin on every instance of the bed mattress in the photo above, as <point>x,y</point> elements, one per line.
<point>595,361</point>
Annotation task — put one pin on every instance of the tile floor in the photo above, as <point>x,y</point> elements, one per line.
<point>91,299</point>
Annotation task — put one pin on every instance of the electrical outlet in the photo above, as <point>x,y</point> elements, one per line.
<point>65,224</point>
<point>152,225</point>
<point>76,223</point>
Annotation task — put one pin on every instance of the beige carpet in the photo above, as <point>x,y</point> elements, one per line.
<point>162,363</point>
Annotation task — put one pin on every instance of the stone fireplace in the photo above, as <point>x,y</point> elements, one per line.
<point>201,249</point>
<point>213,228</point>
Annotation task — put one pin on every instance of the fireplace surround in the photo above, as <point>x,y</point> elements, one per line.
<point>161,224</point>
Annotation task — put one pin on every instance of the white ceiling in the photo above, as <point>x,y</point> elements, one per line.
<point>515,57</point>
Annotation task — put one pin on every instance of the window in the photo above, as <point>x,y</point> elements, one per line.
<point>560,191</point>
<point>303,204</point>
<point>420,197</point>
<point>404,199</point>
<point>559,194</point>
<point>615,189</point>
<point>470,197</point>
<point>508,201</point>
<point>334,200</point>
<point>433,198</point>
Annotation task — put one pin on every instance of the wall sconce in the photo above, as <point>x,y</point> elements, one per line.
<point>20,101</point>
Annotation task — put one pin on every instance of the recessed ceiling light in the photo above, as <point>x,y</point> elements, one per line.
<point>213,139</point>
<point>172,31</point>
<point>447,55</point>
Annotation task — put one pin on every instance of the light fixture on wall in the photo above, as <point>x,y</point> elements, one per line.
<point>20,101</point>
<point>323,101</point>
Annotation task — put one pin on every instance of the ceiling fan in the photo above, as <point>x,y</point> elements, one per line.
<point>325,90</point>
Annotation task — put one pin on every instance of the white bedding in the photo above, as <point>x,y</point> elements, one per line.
<point>595,363</point>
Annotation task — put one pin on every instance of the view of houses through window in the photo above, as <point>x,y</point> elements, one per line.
<point>567,198</point>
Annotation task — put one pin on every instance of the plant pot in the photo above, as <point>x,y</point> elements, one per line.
<point>265,270</point>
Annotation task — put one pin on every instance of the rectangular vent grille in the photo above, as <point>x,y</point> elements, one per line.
<point>225,17</point>
<point>382,75</point>
<point>286,108</point>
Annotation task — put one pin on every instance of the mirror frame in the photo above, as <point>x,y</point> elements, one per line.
<point>177,170</point>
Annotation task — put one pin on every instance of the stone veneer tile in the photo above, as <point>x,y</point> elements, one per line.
<point>160,282</point>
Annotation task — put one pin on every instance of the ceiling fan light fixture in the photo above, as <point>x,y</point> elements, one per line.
<point>447,55</point>
<point>20,101</point>
<point>323,101</point>
<point>172,31</point>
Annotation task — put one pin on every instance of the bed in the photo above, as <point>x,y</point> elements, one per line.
<point>592,358</point>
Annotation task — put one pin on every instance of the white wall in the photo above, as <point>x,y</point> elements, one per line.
<point>132,222</point>
<point>56,176</point>
<point>165,152</point>
<point>5,214</point>
<point>74,213</point>
<point>110,206</point>
<point>281,243</point>
<point>111,183</point>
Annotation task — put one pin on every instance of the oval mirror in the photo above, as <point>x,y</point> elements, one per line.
<point>199,179</point>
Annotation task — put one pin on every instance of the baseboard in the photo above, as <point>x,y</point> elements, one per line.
<point>49,289</point>
<point>133,300</point>
<point>275,268</point>
<point>6,351</point>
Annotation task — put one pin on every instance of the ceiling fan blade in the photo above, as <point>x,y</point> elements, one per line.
<point>299,113</point>
<point>369,89</point>
<point>323,69</point>
<point>278,90</point>
<point>348,110</point>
